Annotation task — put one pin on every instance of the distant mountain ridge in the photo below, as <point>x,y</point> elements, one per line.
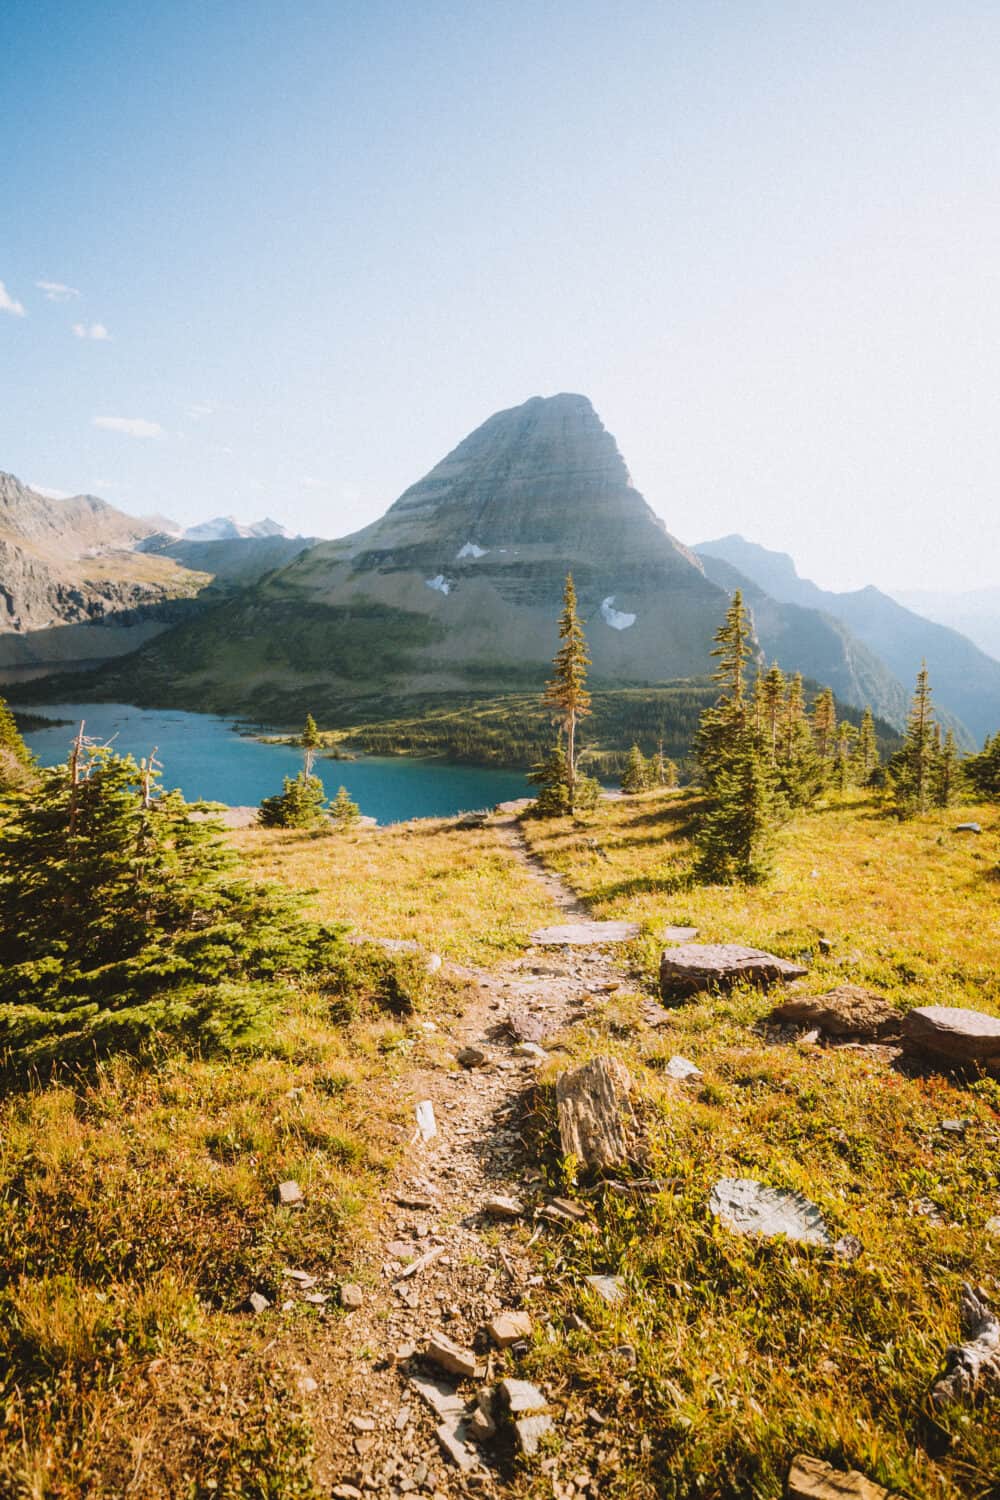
<point>965,680</point>
<point>972,612</point>
<point>227,528</point>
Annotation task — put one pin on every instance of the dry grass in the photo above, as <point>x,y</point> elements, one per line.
<point>455,891</point>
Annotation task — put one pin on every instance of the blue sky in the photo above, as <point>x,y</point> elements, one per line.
<point>311,245</point>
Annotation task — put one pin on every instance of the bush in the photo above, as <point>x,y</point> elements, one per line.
<point>300,804</point>
<point>122,919</point>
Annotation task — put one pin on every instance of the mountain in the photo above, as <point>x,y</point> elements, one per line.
<point>231,562</point>
<point>816,644</point>
<point>456,589</point>
<point>71,585</point>
<point>227,528</point>
<point>973,612</point>
<point>965,680</point>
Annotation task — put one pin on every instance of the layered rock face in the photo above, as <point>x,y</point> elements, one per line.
<point>481,546</point>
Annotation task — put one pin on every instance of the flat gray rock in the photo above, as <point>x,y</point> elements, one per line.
<point>678,934</point>
<point>955,1033</point>
<point>691,967</point>
<point>585,934</point>
<point>750,1207</point>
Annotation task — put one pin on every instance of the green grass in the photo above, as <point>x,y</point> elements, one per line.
<point>750,1351</point>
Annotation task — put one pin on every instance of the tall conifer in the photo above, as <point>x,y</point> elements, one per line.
<point>567,691</point>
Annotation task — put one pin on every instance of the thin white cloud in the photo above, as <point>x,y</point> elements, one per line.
<point>92,331</point>
<point>42,489</point>
<point>201,409</point>
<point>57,291</point>
<point>9,304</point>
<point>136,427</point>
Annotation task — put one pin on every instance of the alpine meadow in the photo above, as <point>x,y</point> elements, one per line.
<point>497,1001</point>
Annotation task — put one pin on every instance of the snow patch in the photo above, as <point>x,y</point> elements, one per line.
<point>471,550</point>
<point>616,618</point>
<point>441,583</point>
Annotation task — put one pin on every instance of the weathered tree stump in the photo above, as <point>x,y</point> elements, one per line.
<point>974,1365</point>
<point>593,1104</point>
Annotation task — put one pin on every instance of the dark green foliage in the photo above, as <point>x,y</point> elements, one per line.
<point>122,919</point>
<point>343,812</point>
<point>310,742</point>
<point>567,692</point>
<point>866,752</point>
<point>743,802</point>
<point>15,758</point>
<point>982,771</point>
<point>300,804</point>
<point>736,834</point>
<point>549,775</point>
<point>947,776</point>
<point>636,776</point>
<point>912,768</point>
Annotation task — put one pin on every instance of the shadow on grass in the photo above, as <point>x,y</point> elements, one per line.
<point>644,885</point>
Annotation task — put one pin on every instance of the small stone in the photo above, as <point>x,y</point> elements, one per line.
<point>289,1193</point>
<point>451,1437</point>
<point>577,1324</point>
<point>508,1328</point>
<point>471,1057</point>
<point>402,1418</point>
<point>401,1250</point>
<point>968,828</point>
<point>433,962</point>
<point>609,1288</point>
<point>992,1226</point>
<point>426,1123</point>
<point>404,1352</point>
<point>848,1010</point>
<point>956,1127</point>
<point>351,1296</point>
<point>307,1385</point>
<point>530,1051</point>
<point>812,1479</point>
<point>449,1356</point>
<point>848,1247</point>
<point>591,1104</point>
<point>627,1353</point>
<point>681,1067</point>
<point>346,1492</point>
<point>530,1431</point>
<point>362,1424</point>
<point>503,1208</point>
<point>257,1302</point>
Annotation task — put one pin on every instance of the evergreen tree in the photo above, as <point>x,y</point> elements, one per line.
<point>824,725</point>
<point>843,759</point>
<point>635,777</point>
<point>743,803</point>
<point>16,760</point>
<point>800,774</point>
<point>550,777</point>
<point>772,701</point>
<point>343,812</point>
<point>982,771</point>
<point>735,838</point>
<point>122,918</point>
<point>866,756</point>
<point>310,743</point>
<point>300,804</point>
<point>721,730</point>
<point>947,772</point>
<point>662,772</point>
<point>567,691</point>
<point>911,770</point>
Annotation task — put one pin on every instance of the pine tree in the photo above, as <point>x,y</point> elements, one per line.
<point>300,804</point>
<point>722,726</point>
<point>122,918</point>
<point>736,836</point>
<point>947,772</point>
<point>310,743</point>
<point>772,701</point>
<point>800,774</point>
<point>550,777</point>
<point>866,756</point>
<point>662,772</point>
<point>635,777</point>
<point>843,760</point>
<point>16,760</point>
<point>824,725</point>
<point>982,771</point>
<point>567,691</point>
<point>343,812</point>
<point>911,770</point>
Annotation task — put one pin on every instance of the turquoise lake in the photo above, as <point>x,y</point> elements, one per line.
<point>206,757</point>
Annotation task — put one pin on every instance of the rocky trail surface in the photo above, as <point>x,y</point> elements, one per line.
<point>457,1289</point>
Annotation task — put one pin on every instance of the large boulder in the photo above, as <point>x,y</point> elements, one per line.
<point>849,1010</point>
<point>592,1103</point>
<point>951,1032</point>
<point>702,966</point>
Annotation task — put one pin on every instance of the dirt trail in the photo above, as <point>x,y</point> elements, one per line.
<point>382,1432</point>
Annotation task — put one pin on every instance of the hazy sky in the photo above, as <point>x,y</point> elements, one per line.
<point>281,255</point>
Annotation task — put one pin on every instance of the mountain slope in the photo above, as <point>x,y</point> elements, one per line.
<point>230,562</point>
<point>816,644</point>
<point>965,680</point>
<point>972,612</point>
<point>457,588</point>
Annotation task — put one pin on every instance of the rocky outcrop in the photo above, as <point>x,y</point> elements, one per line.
<point>593,1103</point>
<point>954,1034</point>
<point>691,967</point>
<point>849,1010</point>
